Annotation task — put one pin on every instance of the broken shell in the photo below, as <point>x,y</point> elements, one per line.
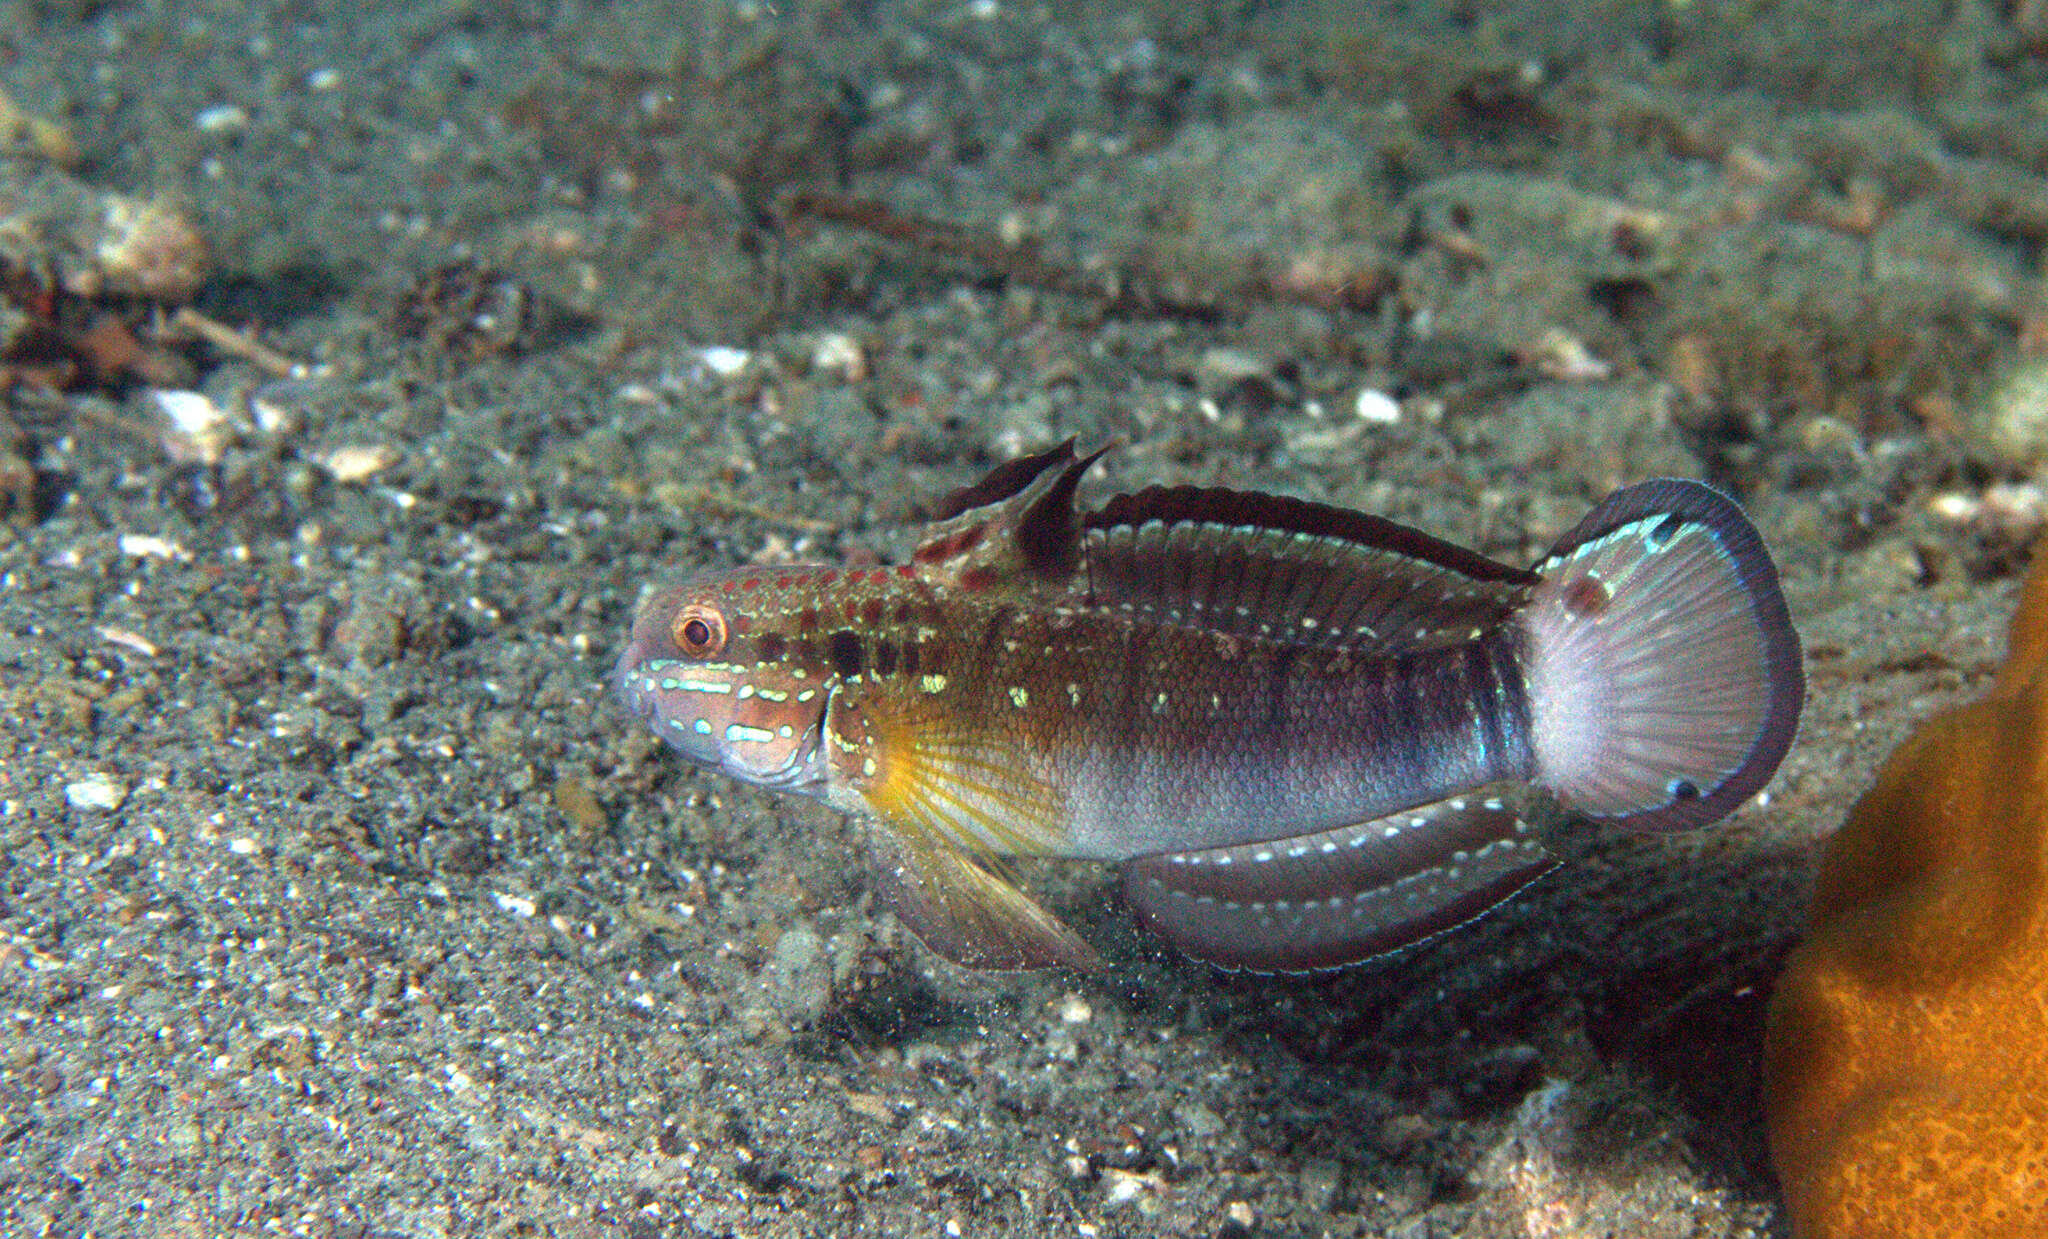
<point>1374,405</point>
<point>196,430</point>
<point>840,354</point>
<point>358,461</point>
<point>97,791</point>
<point>148,248</point>
<point>1563,356</point>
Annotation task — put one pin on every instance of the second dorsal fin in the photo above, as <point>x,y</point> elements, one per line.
<point>1289,570</point>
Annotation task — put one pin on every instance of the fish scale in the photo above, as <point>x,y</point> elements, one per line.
<point>1311,735</point>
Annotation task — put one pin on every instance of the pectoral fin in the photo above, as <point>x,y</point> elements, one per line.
<point>1335,898</point>
<point>970,914</point>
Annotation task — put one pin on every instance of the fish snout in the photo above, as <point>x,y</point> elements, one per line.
<point>694,686</point>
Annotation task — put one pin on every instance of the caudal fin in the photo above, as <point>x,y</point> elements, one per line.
<point>1663,672</point>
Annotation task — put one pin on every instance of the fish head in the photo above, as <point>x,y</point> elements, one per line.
<point>719,667</point>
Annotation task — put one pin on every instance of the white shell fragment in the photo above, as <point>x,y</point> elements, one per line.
<point>840,354</point>
<point>149,546</point>
<point>1374,405</point>
<point>357,462</point>
<point>97,791</point>
<point>723,360</point>
<point>128,640</point>
<point>196,430</point>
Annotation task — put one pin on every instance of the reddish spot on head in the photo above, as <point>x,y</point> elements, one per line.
<point>905,571</point>
<point>751,583</point>
<point>807,620</point>
<point>732,587</point>
<point>975,580</point>
<point>850,609</point>
<point>1585,596</point>
<point>855,576</point>
<point>741,622</point>
<point>871,612</point>
<point>826,578</point>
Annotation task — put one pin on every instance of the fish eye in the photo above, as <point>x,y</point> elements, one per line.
<point>699,630</point>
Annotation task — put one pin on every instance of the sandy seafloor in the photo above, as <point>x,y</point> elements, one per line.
<point>337,896</point>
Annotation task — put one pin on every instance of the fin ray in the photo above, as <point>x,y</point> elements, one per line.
<point>1663,669</point>
<point>969,913</point>
<point>946,804</point>
<point>1288,570</point>
<point>1341,896</point>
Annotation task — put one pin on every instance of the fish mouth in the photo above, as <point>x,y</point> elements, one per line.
<point>802,772</point>
<point>804,775</point>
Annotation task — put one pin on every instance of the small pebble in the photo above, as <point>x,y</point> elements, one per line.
<point>1222,368</point>
<point>1322,1180</point>
<point>97,791</point>
<point>840,354</point>
<point>357,462</point>
<point>574,799</point>
<point>798,976</point>
<point>149,546</point>
<point>370,633</point>
<point>872,1106</point>
<point>724,360</point>
<point>196,430</point>
<point>1374,405</point>
<point>221,118</point>
<point>517,905</point>
<point>1196,1120</point>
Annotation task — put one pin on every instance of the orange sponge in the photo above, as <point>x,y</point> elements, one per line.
<point>1906,1062</point>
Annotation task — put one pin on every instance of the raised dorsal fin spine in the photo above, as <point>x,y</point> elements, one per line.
<point>1048,530</point>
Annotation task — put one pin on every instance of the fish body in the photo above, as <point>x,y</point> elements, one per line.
<point>1310,735</point>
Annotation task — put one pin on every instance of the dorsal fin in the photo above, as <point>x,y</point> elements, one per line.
<point>1289,570</point>
<point>1015,528</point>
<point>1003,482</point>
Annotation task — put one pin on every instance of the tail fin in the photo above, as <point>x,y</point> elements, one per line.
<point>1663,672</point>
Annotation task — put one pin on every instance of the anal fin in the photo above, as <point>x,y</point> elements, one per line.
<point>970,914</point>
<point>1334,898</point>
